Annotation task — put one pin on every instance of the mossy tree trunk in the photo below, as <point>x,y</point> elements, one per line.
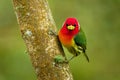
<point>35,21</point>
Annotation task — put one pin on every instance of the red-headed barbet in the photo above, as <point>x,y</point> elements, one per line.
<point>73,38</point>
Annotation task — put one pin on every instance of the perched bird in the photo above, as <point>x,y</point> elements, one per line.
<point>73,38</point>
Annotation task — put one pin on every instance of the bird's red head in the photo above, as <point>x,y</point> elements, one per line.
<point>70,26</point>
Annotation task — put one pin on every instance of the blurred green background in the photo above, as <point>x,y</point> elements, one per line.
<point>100,20</point>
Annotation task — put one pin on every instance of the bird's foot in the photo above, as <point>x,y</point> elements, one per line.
<point>60,59</point>
<point>26,51</point>
<point>51,32</point>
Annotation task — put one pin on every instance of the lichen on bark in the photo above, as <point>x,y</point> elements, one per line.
<point>35,21</point>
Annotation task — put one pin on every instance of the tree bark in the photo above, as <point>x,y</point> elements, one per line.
<point>35,20</point>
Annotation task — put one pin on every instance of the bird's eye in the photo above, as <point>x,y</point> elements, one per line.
<point>67,25</point>
<point>74,25</point>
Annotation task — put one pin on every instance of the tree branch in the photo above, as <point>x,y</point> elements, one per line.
<point>35,20</point>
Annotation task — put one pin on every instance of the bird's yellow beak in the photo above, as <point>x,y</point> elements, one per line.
<point>70,27</point>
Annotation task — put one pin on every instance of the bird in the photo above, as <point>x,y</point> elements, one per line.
<point>72,37</point>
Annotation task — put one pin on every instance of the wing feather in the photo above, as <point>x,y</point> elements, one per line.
<point>80,40</point>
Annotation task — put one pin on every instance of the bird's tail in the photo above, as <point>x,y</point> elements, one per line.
<point>86,56</point>
<point>84,52</point>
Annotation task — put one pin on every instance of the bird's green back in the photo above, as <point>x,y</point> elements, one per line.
<point>80,39</point>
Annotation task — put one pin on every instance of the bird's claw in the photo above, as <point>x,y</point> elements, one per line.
<point>51,32</point>
<point>60,59</point>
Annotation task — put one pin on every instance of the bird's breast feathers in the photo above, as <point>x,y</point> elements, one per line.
<point>66,40</point>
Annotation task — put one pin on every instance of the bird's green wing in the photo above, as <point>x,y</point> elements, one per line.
<point>80,40</point>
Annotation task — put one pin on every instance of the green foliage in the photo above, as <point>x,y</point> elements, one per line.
<point>100,22</point>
